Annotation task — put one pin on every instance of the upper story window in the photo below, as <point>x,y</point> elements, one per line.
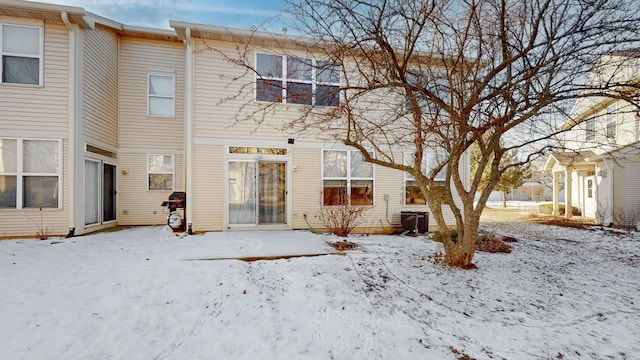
<point>160,170</point>
<point>161,93</point>
<point>21,49</point>
<point>430,160</point>
<point>346,178</point>
<point>29,173</point>
<point>590,129</point>
<point>612,122</point>
<point>296,80</point>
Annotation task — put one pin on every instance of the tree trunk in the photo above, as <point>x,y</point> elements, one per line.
<point>460,248</point>
<point>504,199</point>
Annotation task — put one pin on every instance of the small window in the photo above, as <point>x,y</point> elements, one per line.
<point>161,171</point>
<point>29,173</point>
<point>612,122</point>
<point>346,178</point>
<point>590,189</point>
<point>161,91</point>
<point>21,50</point>
<point>590,130</point>
<point>296,80</point>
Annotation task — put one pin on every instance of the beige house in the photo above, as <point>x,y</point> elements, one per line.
<point>100,122</point>
<point>602,172</point>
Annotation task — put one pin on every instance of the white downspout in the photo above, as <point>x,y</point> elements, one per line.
<point>188,133</point>
<point>73,124</point>
<point>609,166</point>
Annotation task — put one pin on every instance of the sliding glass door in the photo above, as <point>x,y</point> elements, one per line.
<point>99,192</point>
<point>257,192</point>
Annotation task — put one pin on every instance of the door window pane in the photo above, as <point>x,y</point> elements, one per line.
<point>40,191</point>
<point>91,188</point>
<point>109,193</point>
<point>242,192</point>
<point>272,192</point>
<point>8,186</point>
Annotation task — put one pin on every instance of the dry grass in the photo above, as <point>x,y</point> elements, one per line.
<point>577,223</point>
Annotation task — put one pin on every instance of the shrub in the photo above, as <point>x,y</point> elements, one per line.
<point>547,209</point>
<point>627,217</point>
<point>342,219</point>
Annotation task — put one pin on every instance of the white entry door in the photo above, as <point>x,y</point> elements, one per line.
<point>589,196</point>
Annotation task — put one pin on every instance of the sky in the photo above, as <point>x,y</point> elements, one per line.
<point>245,14</point>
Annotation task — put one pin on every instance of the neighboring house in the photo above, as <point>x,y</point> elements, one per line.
<point>602,173</point>
<point>100,122</point>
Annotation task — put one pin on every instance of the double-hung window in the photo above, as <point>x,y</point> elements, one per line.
<point>296,80</point>
<point>29,173</point>
<point>161,93</point>
<point>21,54</point>
<point>346,178</point>
<point>612,122</point>
<point>590,129</point>
<point>430,161</point>
<point>160,170</point>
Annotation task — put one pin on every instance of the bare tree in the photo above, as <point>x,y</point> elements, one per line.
<point>441,75</point>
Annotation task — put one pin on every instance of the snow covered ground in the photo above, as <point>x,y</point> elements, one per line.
<point>138,294</point>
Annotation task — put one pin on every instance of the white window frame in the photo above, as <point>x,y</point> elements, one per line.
<point>284,79</point>
<point>427,156</point>
<point>590,129</point>
<point>150,96</point>
<point>20,174</point>
<point>172,172</point>
<point>39,56</point>
<point>349,178</point>
<point>612,122</point>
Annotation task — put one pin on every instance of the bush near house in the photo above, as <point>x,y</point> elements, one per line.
<point>547,209</point>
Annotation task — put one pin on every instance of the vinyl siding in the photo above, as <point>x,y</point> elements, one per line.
<point>100,87</point>
<point>209,187</point>
<point>632,187</point>
<point>220,102</point>
<point>307,191</point>
<point>27,110</point>
<point>21,222</point>
<point>136,204</point>
<point>139,57</point>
